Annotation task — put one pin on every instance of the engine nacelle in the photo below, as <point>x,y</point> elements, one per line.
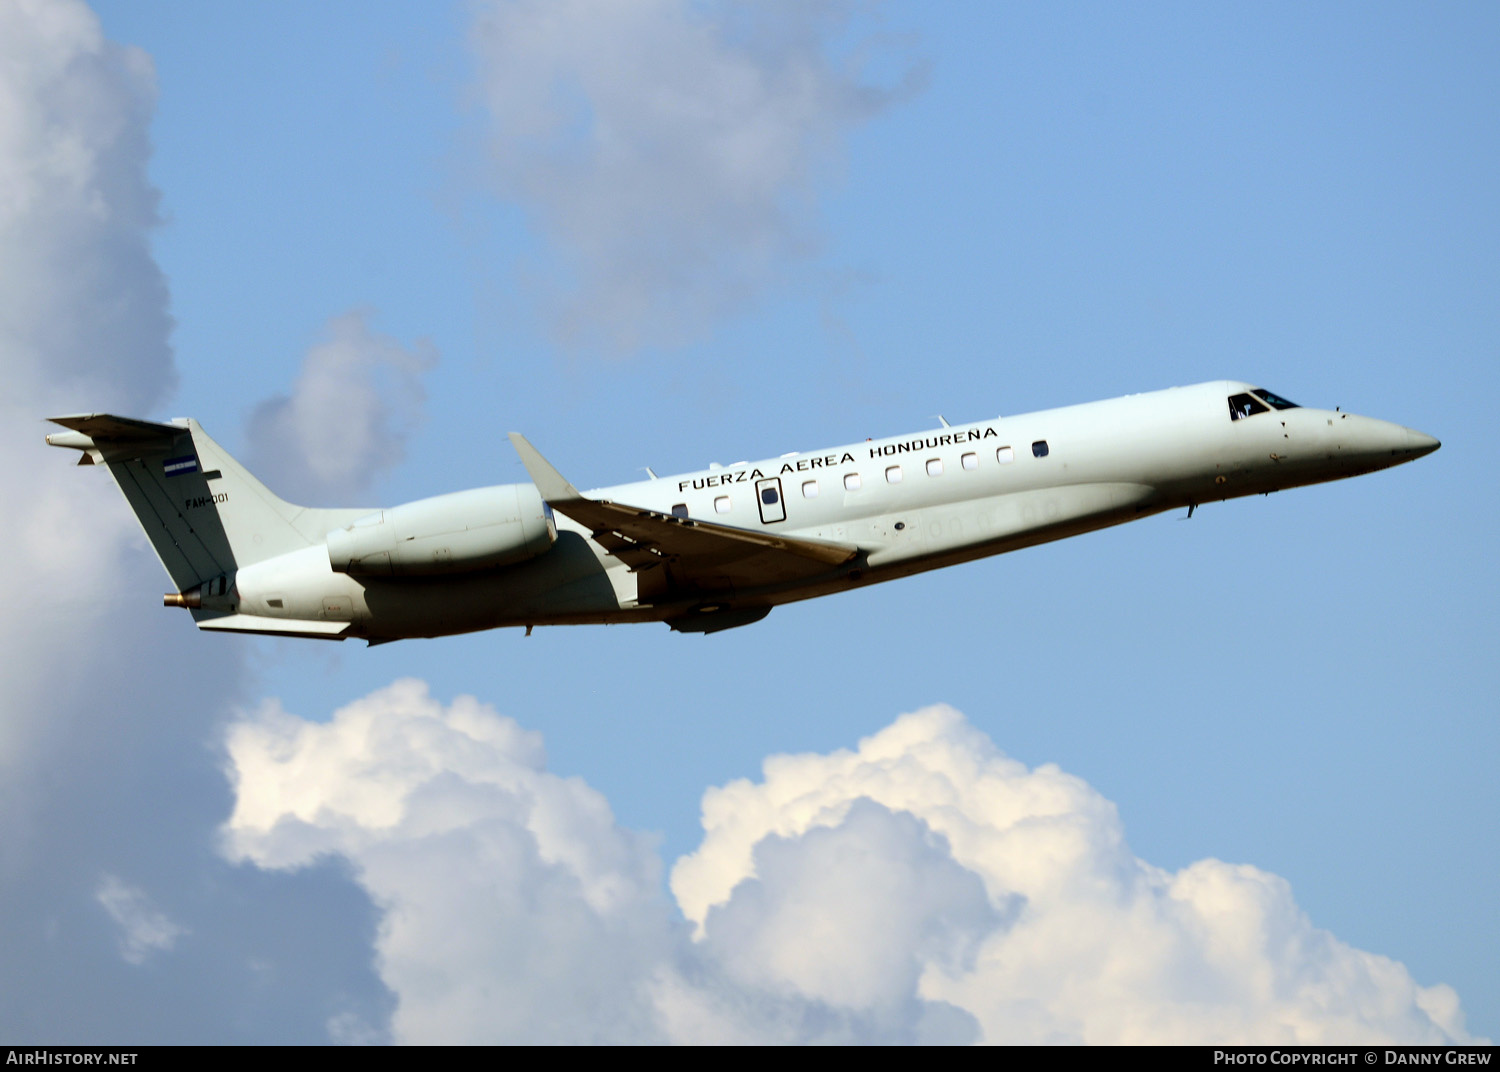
<point>467,530</point>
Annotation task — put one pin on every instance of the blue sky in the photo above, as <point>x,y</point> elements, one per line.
<point>964,209</point>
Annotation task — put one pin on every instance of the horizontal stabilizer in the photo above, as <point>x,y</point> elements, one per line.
<point>254,623</point>
<point>107,427</point>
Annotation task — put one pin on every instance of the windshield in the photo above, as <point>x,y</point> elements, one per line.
<point>1245,405</point>
<point>1276,401</point>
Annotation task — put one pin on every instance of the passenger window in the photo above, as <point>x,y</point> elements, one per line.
<point>1005,455</point>
<point>851,481</point>
<point>893,475</point>
<point>1245,405</point>
<point>971,461</point>
<point>934,467</point>
<point>769,496</point>
<point>809,489</point>
<point>1039,449</point>
<point>721,504</point>
<point>680,510</point>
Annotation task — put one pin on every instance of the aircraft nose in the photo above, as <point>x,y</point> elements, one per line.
<point>1419,443</point>
<point>1382,443</point>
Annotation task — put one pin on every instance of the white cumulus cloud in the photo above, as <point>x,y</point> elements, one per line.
<point>668,150</point>
<point>83,306</point>
<point>1099,946</point>
<point>83,327</point>
<point>103,764</point>
<point>922,887</point>
<point>356,401</point>
<point>514,907</point>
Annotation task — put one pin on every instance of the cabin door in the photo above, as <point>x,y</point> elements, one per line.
<point>768,495</point>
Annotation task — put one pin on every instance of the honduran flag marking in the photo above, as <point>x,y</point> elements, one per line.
<point>179,466</point>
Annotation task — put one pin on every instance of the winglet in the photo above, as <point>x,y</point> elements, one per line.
<point>548,480</point>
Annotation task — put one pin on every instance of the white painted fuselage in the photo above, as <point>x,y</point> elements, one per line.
<point>897,506</point>
<point>910,503</point>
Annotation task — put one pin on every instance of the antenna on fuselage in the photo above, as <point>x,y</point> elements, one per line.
<point>650,472</point>
<point>944,420</point>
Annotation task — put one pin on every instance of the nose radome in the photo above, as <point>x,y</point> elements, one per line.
<point>1419,443</point>
<point>1368,437</point>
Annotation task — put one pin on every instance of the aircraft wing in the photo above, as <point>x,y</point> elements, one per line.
<point>680,555</point>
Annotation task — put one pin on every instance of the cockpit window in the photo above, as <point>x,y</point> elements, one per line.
<point>1276,401</point>
<point>1245,405</point>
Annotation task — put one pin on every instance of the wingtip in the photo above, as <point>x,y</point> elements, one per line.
<point>553,486</point>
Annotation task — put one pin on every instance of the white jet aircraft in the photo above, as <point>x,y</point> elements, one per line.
<point>713,549</point>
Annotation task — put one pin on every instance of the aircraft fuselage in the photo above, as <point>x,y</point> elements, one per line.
<point>901,505</point>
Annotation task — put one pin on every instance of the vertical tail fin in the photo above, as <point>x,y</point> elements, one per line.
<point>205,515</point>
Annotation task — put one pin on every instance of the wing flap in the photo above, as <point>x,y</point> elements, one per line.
<point>688,536</point>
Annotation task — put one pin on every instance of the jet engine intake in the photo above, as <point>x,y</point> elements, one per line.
<point>467,530</point>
